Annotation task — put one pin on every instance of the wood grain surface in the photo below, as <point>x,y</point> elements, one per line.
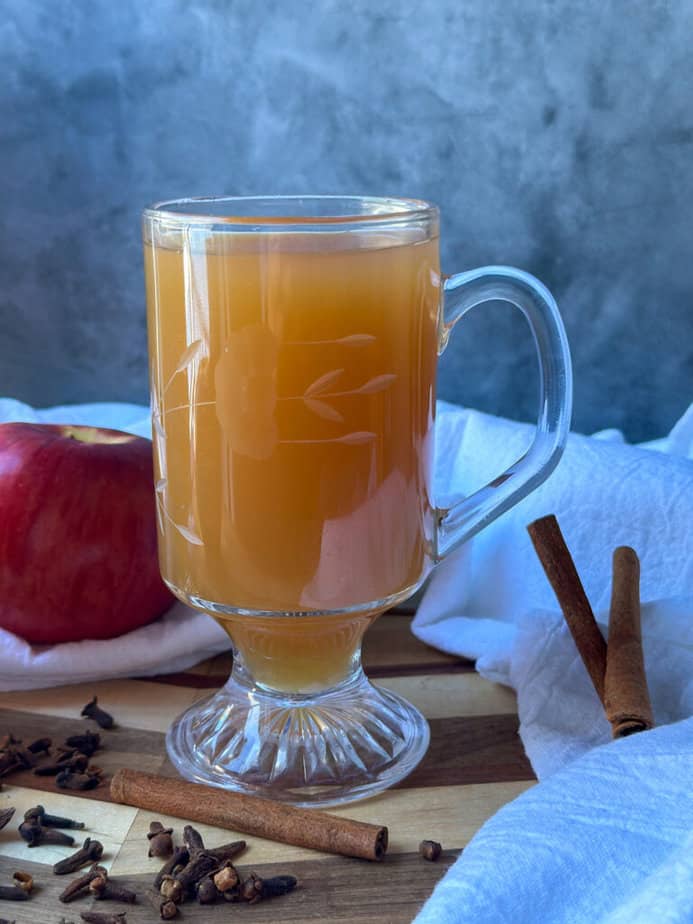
<point>475,764</point>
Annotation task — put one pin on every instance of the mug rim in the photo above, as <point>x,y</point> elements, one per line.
<point>291,210</point>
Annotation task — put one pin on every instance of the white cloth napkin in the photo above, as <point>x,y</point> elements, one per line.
<point>607,840</point>
<point>608,837</point>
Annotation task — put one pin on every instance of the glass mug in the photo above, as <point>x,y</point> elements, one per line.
<point>293,351</point>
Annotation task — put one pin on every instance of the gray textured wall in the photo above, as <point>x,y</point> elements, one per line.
<point>555,135</point>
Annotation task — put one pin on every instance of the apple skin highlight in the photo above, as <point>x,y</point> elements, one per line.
<point>78,554</point>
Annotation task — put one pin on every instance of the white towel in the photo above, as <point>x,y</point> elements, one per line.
<point>606,836</point>
<point>607,840</point>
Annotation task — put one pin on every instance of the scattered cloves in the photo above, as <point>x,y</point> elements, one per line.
<point>179,859</point>
<point>6,816</point>
<point>35,835</point>
<point>160,840</point>
<point>104,888</point>
<point>89,852</point>
<point>430,850</point>
<point>50,821</point>
<point>255,889</point>
<point>87,742</point>
<point>80,886</point>
<point>93,711</point>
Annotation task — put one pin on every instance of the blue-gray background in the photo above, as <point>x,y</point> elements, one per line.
<point>555,135</point>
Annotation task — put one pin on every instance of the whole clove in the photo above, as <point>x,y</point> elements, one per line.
<point>430,850</point>
<point>97,917</point>
<point>50,821</point>
<point>207,892</point>
<point>36,835</point>
<point>40,746</point>
<point>165,908</point>
<point>104,888</point>
<point>93,711</point>
<point>178,860</point>
<point>255,889</point>
<point>87,742</point>
<point>160,840</point>
<point>6,816</point>
<point>89,852</point>
<point>70,779</point>
<point>76,762</point>
<point>80,886</point>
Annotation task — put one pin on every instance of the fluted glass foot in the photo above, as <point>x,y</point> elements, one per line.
<point>337,746</point>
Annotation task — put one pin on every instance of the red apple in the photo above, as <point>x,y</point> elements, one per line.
<point>77,533</point>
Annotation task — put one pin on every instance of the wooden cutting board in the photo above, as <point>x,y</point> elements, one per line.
<point>474,765</point>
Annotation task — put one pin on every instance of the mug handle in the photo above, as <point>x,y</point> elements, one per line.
<point>467,515</point>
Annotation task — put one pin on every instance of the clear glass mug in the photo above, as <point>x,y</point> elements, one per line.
<point>293,349</point>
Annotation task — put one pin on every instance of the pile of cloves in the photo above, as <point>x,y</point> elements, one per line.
<point>71,767</point>
<point>16,756</point>
<point>191,871</point>
<point>194,871</point>
<point>70,764</point>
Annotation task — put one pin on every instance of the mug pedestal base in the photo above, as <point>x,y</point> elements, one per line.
<point>327,748</point>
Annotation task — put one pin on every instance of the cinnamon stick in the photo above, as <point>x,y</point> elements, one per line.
<point>627,700</point>
<point>249,814</point>
<point>560,569</point>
